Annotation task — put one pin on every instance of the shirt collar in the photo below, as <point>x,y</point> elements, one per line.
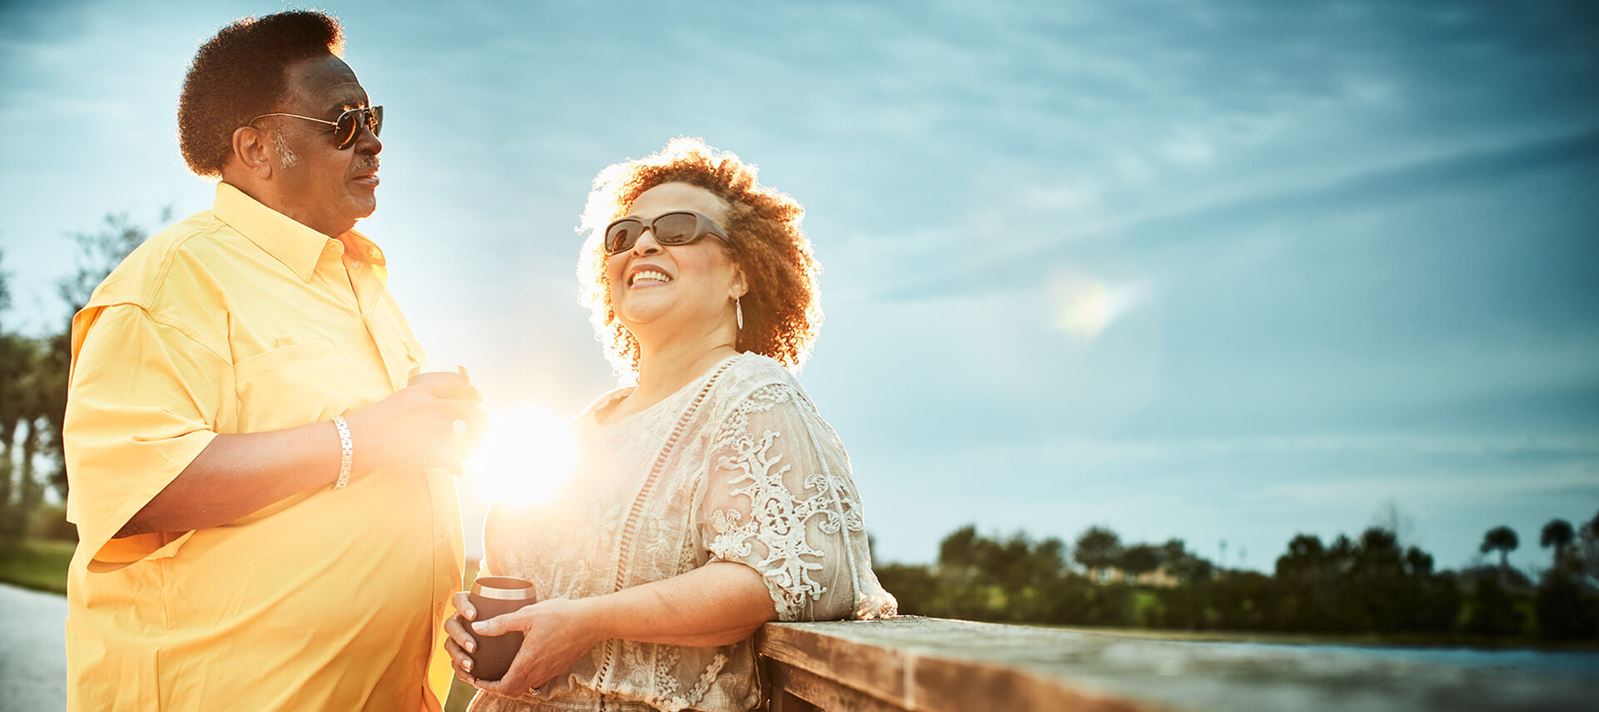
<point>298,247</point>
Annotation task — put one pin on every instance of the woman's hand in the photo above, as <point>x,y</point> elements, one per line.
<point>556,634</point>
<point>720,603</point>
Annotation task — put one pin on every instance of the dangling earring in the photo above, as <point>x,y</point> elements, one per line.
<point>738,313</point>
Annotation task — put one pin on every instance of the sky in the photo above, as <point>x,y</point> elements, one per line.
<point>1217,271</point>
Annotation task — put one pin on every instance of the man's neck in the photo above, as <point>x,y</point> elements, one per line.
<point>264,194</point>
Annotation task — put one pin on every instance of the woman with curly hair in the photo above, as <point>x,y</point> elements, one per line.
<point>709,498</point>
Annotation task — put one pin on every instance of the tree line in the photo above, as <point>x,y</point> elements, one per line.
<point>33,384</point>
<point>1369,584</point>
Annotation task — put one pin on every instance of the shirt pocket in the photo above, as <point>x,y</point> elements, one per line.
<point>294,384</point>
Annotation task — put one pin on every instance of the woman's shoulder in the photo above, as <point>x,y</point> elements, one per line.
<point>754,382</point>
<point>750,372</point>
<point>605,400</point>
<point>758,389</point>
<point>751,364</point>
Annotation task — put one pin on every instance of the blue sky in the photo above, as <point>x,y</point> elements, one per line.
<point>1202,270</point>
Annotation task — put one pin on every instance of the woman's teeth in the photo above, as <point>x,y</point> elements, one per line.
<point>649,275</point>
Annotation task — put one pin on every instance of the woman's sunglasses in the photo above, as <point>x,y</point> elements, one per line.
<point>348,126</point>
<point>674,228</point>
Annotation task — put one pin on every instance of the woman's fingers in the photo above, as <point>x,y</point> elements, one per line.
<point>463,603</point>
<point>516,680</point>
<point>502,624</point>
<point>458,635</point>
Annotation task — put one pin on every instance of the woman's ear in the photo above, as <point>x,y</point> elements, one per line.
<point>740,287</point>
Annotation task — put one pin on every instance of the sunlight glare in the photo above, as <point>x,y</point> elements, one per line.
<point>525,457</point>
<point>1086,305</point>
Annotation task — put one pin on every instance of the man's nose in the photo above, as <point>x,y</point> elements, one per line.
<point>368,143</point>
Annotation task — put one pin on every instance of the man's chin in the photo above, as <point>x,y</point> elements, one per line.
<point>362,206</point>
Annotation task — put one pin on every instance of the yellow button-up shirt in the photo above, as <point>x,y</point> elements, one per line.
<point>242,320</point>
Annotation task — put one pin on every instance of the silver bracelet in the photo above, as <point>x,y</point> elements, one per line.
<point>347,455</point>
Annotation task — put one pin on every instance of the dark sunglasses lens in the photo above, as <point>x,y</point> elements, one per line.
<point>345,130</point>
<point>348,127</point>
<point>675,228</point>
<point>622,235</point>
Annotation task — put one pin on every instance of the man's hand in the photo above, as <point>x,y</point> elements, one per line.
<point>459,643</point>
<point>416,426</point>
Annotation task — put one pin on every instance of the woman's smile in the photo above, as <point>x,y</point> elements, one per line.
<point>647,278</point>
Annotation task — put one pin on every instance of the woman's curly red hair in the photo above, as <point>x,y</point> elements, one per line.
<point>782,310</point>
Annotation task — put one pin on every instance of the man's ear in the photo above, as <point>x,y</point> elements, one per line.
<point>251,151</point>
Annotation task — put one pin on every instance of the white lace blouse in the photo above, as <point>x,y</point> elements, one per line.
<point>737,466</point>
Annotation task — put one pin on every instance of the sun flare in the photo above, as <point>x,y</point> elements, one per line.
<point>525,456</point>
<point>1086,305</point>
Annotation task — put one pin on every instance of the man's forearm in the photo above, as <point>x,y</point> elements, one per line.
<point>238,474</point>
<point>720,603</point>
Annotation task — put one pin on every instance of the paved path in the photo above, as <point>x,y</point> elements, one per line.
<point>33,656</point>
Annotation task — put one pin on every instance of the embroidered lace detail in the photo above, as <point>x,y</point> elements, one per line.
<point>778,519</point>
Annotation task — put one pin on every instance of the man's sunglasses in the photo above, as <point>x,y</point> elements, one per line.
<point>675,228</point>
<point>348,126</point>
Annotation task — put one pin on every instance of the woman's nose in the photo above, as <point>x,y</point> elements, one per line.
<point>646,244</point>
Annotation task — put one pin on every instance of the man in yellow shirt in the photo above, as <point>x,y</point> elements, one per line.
<point>266,515</point>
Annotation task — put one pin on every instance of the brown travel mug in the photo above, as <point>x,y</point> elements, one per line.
<point>496,596</point>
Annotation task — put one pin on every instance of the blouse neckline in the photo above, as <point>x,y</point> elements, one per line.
<point>611,398</point>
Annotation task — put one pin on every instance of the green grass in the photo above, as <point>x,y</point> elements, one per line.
<point>39,564</point>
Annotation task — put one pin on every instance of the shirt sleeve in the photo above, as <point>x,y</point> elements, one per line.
<point>142,403</point>
<point>779,498</point>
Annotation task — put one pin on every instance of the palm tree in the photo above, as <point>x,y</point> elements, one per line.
<point>11,371</point>
<point>1558,534</point>
<point>1503,540</point>
<point>21,418</point>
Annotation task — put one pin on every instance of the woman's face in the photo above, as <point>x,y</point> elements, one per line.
<point>674,290</point>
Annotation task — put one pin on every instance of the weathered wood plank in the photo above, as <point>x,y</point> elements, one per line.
<point>906,677</point>
<point>870,668</point>
<point>930,664</point>
<point>814,692</point>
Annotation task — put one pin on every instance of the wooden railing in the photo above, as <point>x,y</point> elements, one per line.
<point>912,663</point>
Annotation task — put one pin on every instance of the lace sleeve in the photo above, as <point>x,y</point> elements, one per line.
<point>779,498</point>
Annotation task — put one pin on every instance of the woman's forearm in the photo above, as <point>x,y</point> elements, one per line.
<point>720,603</point>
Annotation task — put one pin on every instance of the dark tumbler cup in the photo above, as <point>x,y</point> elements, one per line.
<point>496,596</point>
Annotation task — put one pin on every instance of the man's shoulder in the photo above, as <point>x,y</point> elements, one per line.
<point>140,278</point>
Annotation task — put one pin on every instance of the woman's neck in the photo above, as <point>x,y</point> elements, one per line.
<point>665,368</point>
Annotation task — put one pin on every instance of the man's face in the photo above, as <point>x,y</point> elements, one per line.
<point>326,188</point>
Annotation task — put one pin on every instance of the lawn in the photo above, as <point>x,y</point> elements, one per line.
<point>39,564</point>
